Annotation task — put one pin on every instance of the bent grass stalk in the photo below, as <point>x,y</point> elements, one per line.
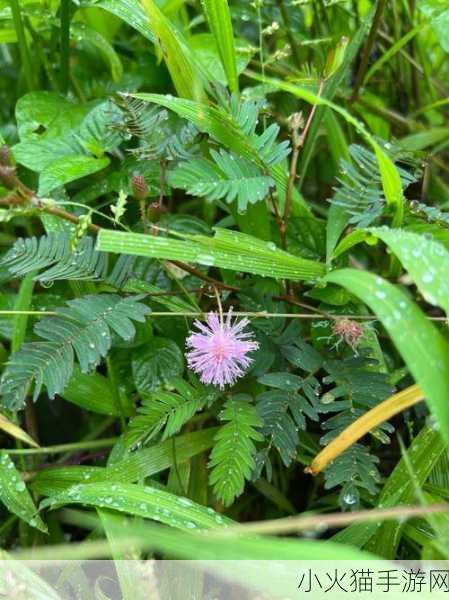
<point>367,422</point>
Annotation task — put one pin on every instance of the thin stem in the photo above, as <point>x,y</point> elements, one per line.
<point>92,435</point>
<point>115,392</point>
<point>367,50</point>
<point>58,449</point>
<point>291,38</point>
<point>65,13</point>
<point>297,143</point>
<point>310,522</point>
<point>258,4</point>
<point>220,307</point>
<point>9,313</point>
<point>23,46</point>
<point>255,315</point>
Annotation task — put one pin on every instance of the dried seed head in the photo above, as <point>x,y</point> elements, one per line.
<point>349,331</point>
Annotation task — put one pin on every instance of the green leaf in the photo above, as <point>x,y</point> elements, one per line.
<point>156,364</point>
<point>136,466</point>
<point>227,249</point>
<point>437,12</point>
<point>142,501</point>
<point>94,135</point>
<point>230,178</point>
<point>219,19</point>
<point>205,50</point>
<point>331,87</point>
<point>396,47</point>
<point>221,550</point>
<point>423,348</point>
<point>167,411</point>
<point>83,328</point>
<point>81,32</point>
<point>129,11</point>
<point>232,459</point>
<point>92,392</point>
<point>383,538</point>
<point>180,62</point>
<point>53,253</point>
<point>15,496</point>
<point>426,261</point>
<point>237,132</point>
<point>46,114</point>
<point>67,169</point>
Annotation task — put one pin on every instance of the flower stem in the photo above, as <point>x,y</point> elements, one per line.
<point>65,14</point>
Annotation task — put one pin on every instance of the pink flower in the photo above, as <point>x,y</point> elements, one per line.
<point>218,351</point>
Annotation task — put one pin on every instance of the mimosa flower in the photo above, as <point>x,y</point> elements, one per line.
<point>218,351</point>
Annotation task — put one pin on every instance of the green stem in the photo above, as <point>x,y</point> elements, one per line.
<point>87,445</point>
<point>368,47</point>
<point>290,35</point>
<point>115,392</point>
<point>65,13</point>
<point>23,46</point>
<point>89,437</point>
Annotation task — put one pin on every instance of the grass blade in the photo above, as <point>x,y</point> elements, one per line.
<point>15,431</point>
<point>219,19</point>
<point>141,501</point>
<point>221,127</point>
<point>426,261</point>
<point>364,424</point>
<point>15,496</point>
<point>227,250</point>
<point>136,466</point>
<point>183,70</point>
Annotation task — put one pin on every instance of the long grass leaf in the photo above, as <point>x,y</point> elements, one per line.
<point>219,19</point>
<point>180,63</point>
<point>142,501</point>
<point>228,250</point>
<point>14,494</point>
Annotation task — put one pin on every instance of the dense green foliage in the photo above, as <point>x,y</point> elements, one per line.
<point>160,160</point>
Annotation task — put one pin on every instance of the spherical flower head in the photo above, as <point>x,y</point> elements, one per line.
<point>218,351</point>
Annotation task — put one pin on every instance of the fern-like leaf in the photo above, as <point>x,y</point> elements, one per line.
<point>162,135</point>
<point>54,254</point>
<point>356,468</point>
<point>354,389</point>
<point>246,114</point>
<point>284,411</point>
<point>83,329</point>
<point>360,193</point>
<point>167,411</point>
<point>232,459</point>
<point>229,177</point>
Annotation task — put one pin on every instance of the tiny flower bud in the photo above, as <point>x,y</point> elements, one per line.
<point>139,187</point>
<point>296,121</point>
